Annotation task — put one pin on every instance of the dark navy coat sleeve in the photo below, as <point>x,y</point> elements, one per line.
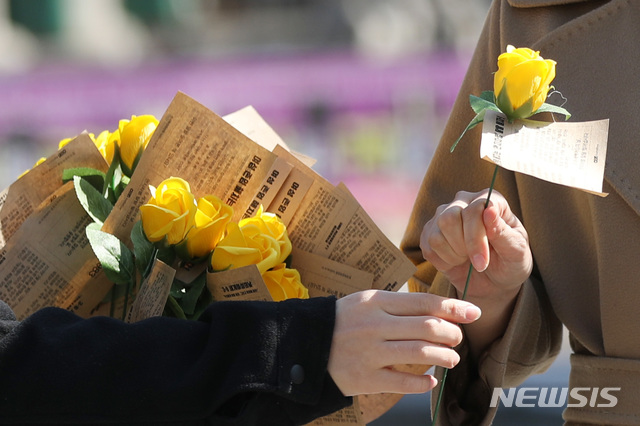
<point>242,363</point>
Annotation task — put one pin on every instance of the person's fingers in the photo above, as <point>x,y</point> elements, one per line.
<point>397,352</point>
<point>437,249</point>
<point>504,230</point>
<point>393,381</point>
<point>428,329</point>
<point>475,235</point>
<point>376,329</point>
<point>425,304</point>
<point>430,255</point>
<point>447,238</point>
<point>443,234</point>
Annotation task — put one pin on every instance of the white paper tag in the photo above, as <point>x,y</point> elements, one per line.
<point>571,154</point>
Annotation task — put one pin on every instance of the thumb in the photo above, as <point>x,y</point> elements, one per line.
<point>503,228</point>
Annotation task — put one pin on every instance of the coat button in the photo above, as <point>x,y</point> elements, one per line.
<point>297,374</point>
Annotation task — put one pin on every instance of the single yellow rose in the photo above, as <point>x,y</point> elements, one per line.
<point>270,224</point>
<point>522,81</point>
<point>133,137</point>
<point>170,212</point>
<point>211,219</point>
<point>245,246</point>
<point>105,144</point>
<point>284,283</point>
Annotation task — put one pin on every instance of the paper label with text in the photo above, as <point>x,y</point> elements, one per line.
<point>244,283</point>
<point>153,293</point>
<point>571,154</point>
<point>49,262</point>
<point>347,416</point>
<point>21,198</point>
<point>364,246</point>
<point>325,277</point>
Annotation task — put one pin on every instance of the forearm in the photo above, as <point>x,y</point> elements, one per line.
<point>235,362</point>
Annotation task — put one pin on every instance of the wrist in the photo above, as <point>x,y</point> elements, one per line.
<point>497,310</point>
<point>487,295</point>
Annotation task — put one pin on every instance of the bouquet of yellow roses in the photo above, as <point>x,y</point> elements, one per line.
<point>166,216</point>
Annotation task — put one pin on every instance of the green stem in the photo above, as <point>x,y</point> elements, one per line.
<point>112,308</point>
<point>464,296</point>
<point>126,300</point>
<point>174,306</point>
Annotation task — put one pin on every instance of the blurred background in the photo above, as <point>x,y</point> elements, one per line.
<point>363,86</point>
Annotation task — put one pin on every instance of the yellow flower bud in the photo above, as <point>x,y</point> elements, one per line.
<point>245,246</point>
<point>105,144</point>
<point>170,212</point>
<point>271,225</point>
<point>284,283</point>
<point>522,81</point>
<point>211,219</point>
<point>134,136</point>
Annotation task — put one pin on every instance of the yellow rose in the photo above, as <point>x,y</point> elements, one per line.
<point>245,246</point>
<point>211,219</point>
<point>284,283</point>
<point>133,137</point>
<point>105,144</point>
<point>170,212</point>
<point>521,83</point>
<point>270,224</point>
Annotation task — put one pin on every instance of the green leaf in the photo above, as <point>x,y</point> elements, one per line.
<point>484,102</point>
<point>122,184</point>
<point>129,171</point>
<point>525,111</point>
<point>135,162</point>
<point>554,109</point>
<point>114,189</point>
<point>142,249</point>
<point>505,105</point>
<point>479,118</point>
<point>116,259</point>
<point>115,165</point>
<point>94,176</point>
<point>91,200</point>
<point>203,303</point>
<point>488,95</point>
<point>190,299</point>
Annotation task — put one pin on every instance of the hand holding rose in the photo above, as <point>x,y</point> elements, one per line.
<point>495,242</point>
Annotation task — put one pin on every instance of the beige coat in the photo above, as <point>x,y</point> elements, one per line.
<point>586,248</point>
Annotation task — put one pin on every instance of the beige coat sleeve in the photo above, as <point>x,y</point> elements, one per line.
<point>533,337</point>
